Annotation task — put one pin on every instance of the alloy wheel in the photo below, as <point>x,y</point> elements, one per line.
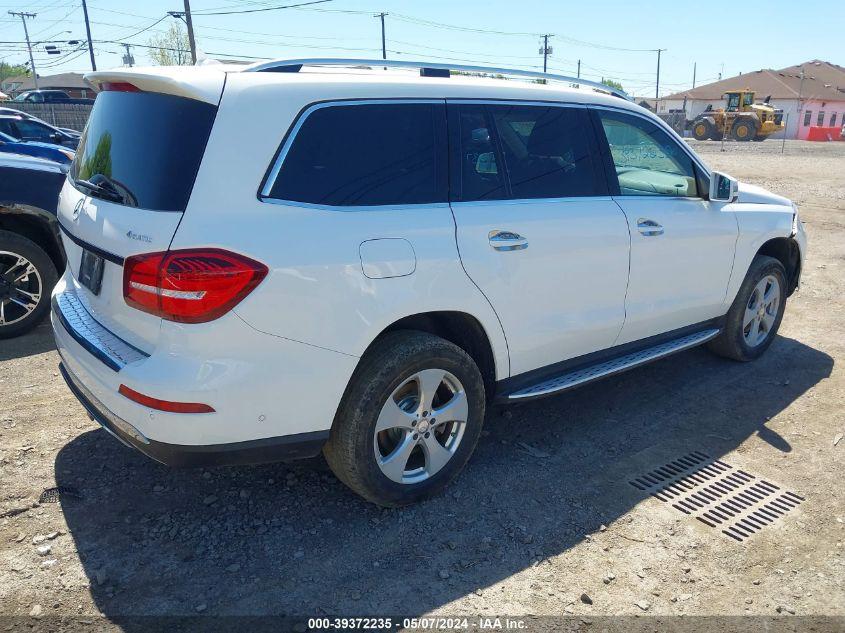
<point>761,311</point>
<point>420,426</point>
<point>20,288</point>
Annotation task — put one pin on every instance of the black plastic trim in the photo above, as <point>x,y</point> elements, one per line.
<point>111,257</point>
<point>266,450</point>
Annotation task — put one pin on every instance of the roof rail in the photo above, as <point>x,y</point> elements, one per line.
<point>295,65</point>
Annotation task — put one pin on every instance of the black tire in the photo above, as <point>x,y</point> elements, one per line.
<point>743,130</point>
<point>731,343</point>
<point>46,271</point>
<point>759,138</point>
<point>702,130</point>
<point>388,365</point>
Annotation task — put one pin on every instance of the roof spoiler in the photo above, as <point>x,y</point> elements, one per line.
<point>200,83</point>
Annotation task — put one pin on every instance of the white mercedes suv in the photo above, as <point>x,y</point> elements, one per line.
<point>358,256</point>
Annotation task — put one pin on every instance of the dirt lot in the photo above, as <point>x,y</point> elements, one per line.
<point>543,514</point>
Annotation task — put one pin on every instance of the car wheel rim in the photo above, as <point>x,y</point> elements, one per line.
<point>761,311</point>
<point>420,426</point>
<point>20,288</point>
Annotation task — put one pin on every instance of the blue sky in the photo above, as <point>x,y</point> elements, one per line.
<point>494,32</point>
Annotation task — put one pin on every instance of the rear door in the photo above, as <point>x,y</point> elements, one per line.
<point>126,192</point>
<point>536,229</point>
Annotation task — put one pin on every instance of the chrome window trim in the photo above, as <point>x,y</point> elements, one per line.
<point>293,132</point>
<point>517,201</point>
<point>353,208</point>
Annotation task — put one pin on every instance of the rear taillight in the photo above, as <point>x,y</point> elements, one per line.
<point>189,286</point>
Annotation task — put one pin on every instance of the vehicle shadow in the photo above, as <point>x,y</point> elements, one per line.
<point>36,341</point>
<point>291,540</point>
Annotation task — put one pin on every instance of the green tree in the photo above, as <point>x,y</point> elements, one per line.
<point>171,48</point>
<point>100,161</point>
<point>12,70</point>
<point>612,83</point>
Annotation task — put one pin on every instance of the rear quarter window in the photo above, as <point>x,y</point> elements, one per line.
<point>365,154</point>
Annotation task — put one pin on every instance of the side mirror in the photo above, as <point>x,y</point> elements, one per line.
<point>723,188</point>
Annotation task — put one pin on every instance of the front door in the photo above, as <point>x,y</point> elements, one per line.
<point>682,245</point>
<point>536,229</point>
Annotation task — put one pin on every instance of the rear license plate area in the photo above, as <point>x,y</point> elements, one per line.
<point>91,271</point>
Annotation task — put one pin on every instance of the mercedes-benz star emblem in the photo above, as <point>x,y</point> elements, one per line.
<point>78,209</point>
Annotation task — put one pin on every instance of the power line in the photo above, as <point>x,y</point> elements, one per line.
<point>146,28</point>
<point>286,6</point>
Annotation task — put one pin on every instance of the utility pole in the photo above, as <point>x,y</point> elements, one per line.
<point>657,86</point>
<point>383,41</point>
<point>546,50</point>
<point>190,24</point>
<point>694,64</point>
<point>23,17</point>
<point>88,32</point>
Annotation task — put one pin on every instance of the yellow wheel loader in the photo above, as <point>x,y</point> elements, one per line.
<point>741,120</point>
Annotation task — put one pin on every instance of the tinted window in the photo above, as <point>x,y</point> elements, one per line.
<point>524,152</point>
<point>546,151</point>
<point>807,115</point>
<point>6,128</point>
<point>478,168</point>
<point>820,118</point>
<point>33,131</point>
<point>645,159</point>
<point>366,154</point>
<point>833,119</point>
<point>144,147</point>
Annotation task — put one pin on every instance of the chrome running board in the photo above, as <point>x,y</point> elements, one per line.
<point>583,375</point>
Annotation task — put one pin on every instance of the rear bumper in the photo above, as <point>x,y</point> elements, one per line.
<point>273,399</point>
<point>272,449</point>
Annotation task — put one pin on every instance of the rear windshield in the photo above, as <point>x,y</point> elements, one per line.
<point>142,149</point>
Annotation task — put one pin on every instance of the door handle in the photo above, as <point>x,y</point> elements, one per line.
<point>649,228</point>
<point>507,241</point>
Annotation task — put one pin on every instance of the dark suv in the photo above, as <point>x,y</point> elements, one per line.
<point>30,248</point>
<point>49,96</point>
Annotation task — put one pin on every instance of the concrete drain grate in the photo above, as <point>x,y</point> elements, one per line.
<point>717,494</point>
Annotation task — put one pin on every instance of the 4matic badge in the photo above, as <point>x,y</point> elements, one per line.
<point>138,237</point>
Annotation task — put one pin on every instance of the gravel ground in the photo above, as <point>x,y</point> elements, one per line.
<point>543,521</point>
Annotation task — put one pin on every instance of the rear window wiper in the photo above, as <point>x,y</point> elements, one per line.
<point>103,192</point>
